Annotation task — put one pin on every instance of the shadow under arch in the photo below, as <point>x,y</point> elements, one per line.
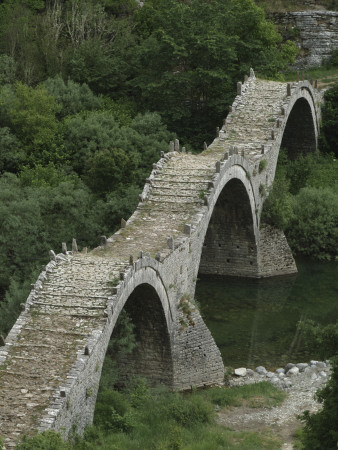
<point>151,358</point>
<point>299,136</point>
<point>229,246</point>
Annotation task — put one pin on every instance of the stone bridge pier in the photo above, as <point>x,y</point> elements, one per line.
<point>198,214</point>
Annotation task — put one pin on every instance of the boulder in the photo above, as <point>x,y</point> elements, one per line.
<point>321,365</point>
<point>302,366</point>
<point>261,370</point>
<point>293,371</point>
<point>241,372</point>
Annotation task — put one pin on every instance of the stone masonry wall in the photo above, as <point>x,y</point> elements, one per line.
<point>229,246</point>
<point>274,252</point>
<point>316,34</point>
<point>151,357</point>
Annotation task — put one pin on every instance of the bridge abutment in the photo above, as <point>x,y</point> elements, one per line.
<point>274,254</point>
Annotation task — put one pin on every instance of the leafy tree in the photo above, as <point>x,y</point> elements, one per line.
<point>16,294</point>
<point>8,69</point>
<point>120,7</point>
<point>121,344</point>
<point>100,45</point>
<point>313,231</point>
<point>97,137</point>
<point>321,428</point>
<point>37,217</point>
<point>107,169</point>
<point>71,97</point>
<point>31,115</point>
<point>121,203</point>
<point>11,153</point>
<point>22,239</point>
<point>19,39</point>
<point>122,111</point>
<point>329,131</point>
<point>193,51</point>
<point>86,135</point>
<point>279,206</point>
<point>303,203</point>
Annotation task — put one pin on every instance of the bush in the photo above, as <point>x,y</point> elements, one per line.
<point>112,411</point>
<point>48,440</point>
<point>328,140</point>
<point>278,207</point>
<point>189,412</point>
<point>313,229</point>
<point>71,97</point>
<point>321,428</point>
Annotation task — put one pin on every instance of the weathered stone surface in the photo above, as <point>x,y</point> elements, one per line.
<point>293,371</point>
<point>317,35</point>
<point>261,370</point>
<point>241,372</point>
<point>289,366</point>
<point>302,366</point>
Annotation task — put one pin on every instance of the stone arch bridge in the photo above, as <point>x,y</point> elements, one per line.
<point>197,214</point>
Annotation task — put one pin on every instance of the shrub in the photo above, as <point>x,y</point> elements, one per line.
<point>278,207</point>
<point>321,428</point>
<point>329,132</point>
<point>313,229</point>
<point>48,440</point>
<point>189,412</point>
<point>112,411</point>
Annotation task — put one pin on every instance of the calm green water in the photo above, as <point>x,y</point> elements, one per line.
<point>255,322</point>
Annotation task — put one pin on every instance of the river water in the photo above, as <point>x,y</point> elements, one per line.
<point>254,322</point>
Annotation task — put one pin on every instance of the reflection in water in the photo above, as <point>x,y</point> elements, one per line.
<point>255,321</point>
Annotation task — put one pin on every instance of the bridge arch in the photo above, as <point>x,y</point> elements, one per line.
<point>146,302</point>
<point>301,129</point>
<point>151,358</point>
<point>230,238</point>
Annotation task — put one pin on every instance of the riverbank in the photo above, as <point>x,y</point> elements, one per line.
<point>301,382</point>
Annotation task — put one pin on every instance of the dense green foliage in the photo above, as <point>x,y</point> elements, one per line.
<point>174,57</point>
<point>189,54</point>
<point>87,92</point>
<point>329,132</point>
<point>144,418</point>
<point>321,428</point>
<point>304,203</point>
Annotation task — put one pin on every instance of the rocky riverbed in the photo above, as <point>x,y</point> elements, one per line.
<point>301,381</point>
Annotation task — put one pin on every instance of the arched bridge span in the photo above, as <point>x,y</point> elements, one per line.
<point>197,214</point>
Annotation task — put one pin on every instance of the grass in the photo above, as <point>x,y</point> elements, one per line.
<point>143,418</point>
<point>262,165</point>
<point>253,395</point>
